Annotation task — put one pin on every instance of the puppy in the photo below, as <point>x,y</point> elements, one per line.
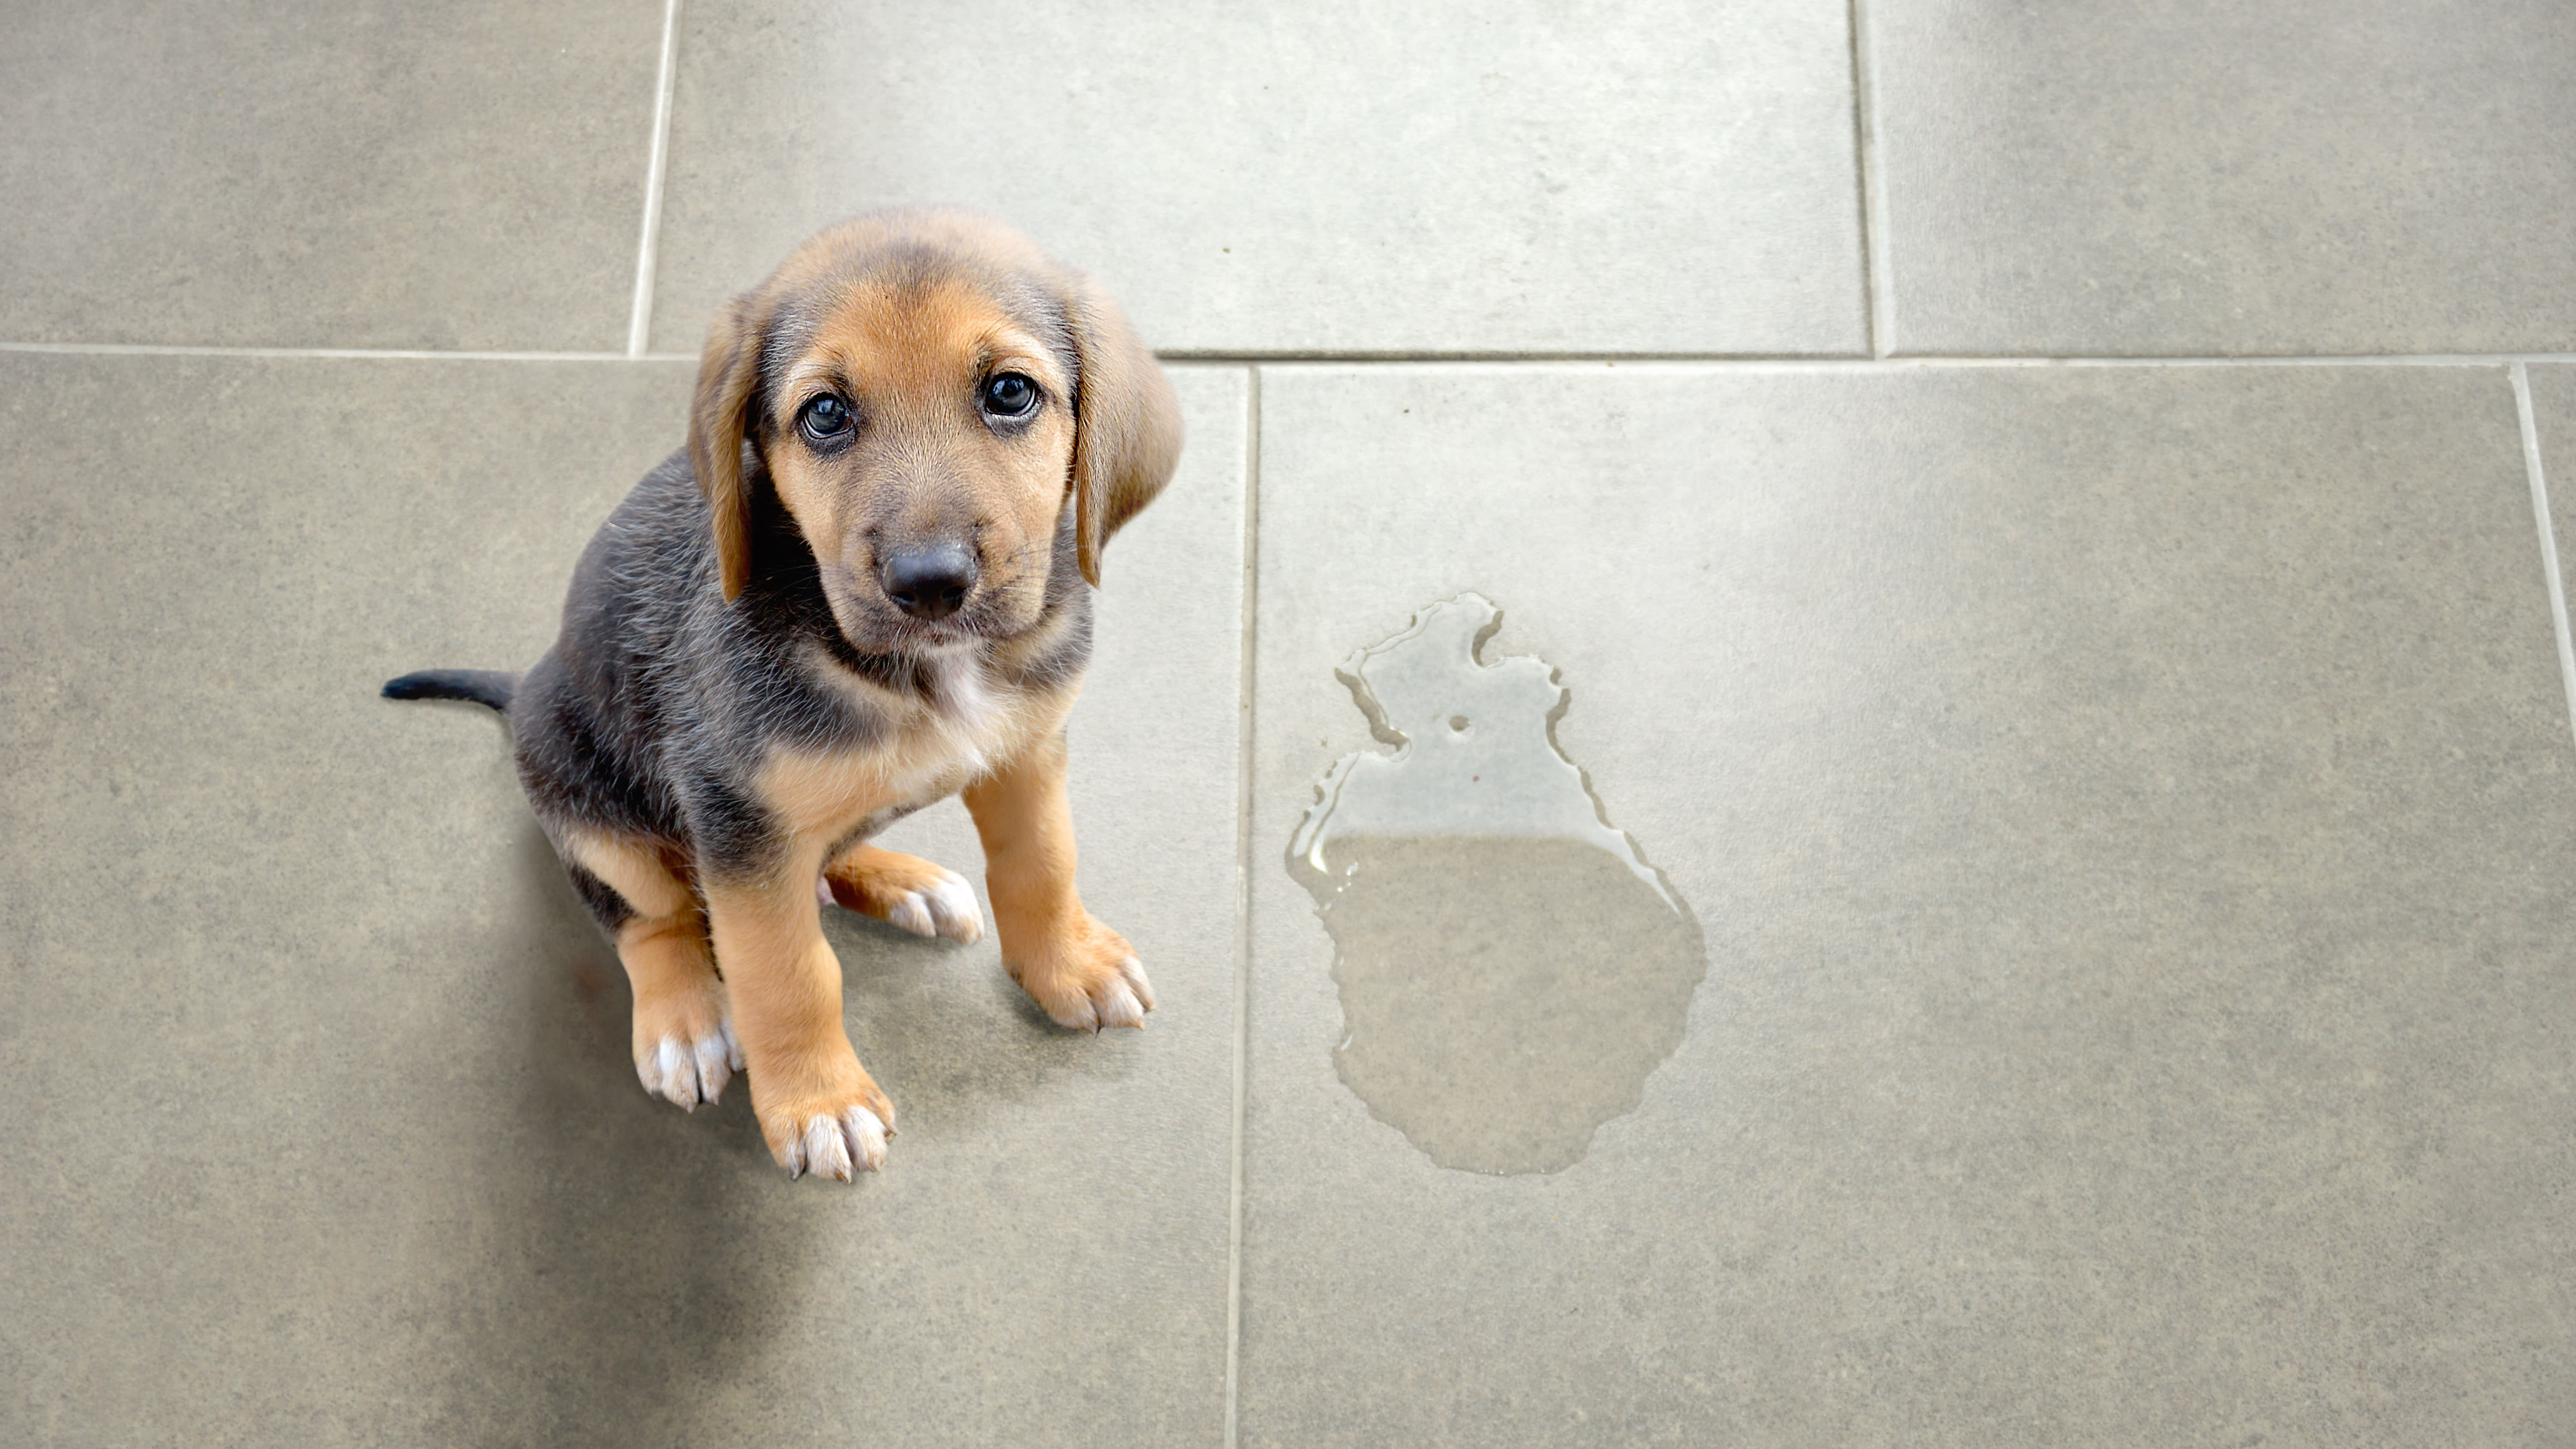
<point>863,586</point>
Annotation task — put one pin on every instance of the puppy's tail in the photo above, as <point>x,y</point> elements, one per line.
<point>483,686</point>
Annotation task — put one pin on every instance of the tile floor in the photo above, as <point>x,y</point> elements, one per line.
<point>2041,514</point>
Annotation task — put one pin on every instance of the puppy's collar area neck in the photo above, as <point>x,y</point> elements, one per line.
<point>901,667</point>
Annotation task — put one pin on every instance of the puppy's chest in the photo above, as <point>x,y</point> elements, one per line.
<point>961,725</point>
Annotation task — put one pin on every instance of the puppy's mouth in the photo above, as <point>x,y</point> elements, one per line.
<point>920,601</point>
<point>902,635</point>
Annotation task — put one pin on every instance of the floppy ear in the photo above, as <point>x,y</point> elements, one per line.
<point>718,423</point>
<point>1127,425</point>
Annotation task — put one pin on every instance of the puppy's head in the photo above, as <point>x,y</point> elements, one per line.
<point>928,394</point>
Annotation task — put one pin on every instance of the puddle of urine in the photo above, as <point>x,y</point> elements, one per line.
<point>1511,968</point>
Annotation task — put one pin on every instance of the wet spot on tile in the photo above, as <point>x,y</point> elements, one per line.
<point>1511,968</point>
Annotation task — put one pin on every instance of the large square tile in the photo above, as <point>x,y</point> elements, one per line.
<point>2130,812</point>
<point>327,1129</point>
<point>1344,178</point>
<point>432,176</point>
<point>2192,177</point>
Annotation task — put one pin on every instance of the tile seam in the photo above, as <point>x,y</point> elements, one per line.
<point>1715,361</point>
<point>1248,672</point>
<point>1877,300</point>
<point>2528,418</point>
<point>639,320</point>
<point>1831,363</point>
<point>357,354</point>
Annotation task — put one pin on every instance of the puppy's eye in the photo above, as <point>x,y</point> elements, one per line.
<point>824,419</point>
<point>1010,396</point>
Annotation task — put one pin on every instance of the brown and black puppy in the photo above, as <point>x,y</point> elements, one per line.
<point>862,587</point>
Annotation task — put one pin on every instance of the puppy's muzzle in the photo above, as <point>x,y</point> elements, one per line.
<point>928,581</point>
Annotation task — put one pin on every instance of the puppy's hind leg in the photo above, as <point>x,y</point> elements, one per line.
<point>904,891</point>
<point>684,1043</point>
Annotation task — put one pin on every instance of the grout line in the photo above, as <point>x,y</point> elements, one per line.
<point>397,354</point>
<point>1754,362</point>
<point>2548,538</point>
<point>1249,676</point>
<point>1874,279</point>
<point>1816,362</point>
<point>640,322</point>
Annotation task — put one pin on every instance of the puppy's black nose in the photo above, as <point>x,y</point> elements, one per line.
<point>928,582</point>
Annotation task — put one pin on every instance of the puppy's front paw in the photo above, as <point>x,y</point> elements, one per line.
<point>904,891</point>
<point>684,1048</point>
<point>1086,976</point>
<point>832,1135</point>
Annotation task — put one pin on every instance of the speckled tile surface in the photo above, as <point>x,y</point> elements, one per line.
<point>298,175</point>
<point>2040,918</point>
<point>2192,177</point>
<point>2130,815</point>
<point>331,1132</point>
<point>1264,178</point>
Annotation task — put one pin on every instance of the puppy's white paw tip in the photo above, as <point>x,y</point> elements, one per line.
<point>1079,1014</point>
<point>675,1077</point>
<point>714,1064</point>
<point>826,1155</point>
<point>839,1147</point>
<point>1118,1007</point>
<point>911,913</point>
<point>952,906</point>
<point>867,1138</point>
<point>1132,971</point>
<point>687,1074</point>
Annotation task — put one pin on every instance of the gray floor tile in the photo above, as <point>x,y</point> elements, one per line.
<point>441,176</point>
<point>1458,177</point>
<point>2553,396</point>
<point>2190,177</point>
<point>326,1129</point>
<point>2129,812</point>
<point>2553,406</point>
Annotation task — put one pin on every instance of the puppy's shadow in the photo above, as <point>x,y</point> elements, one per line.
<point>644,1255</point>
<point>948,1034</point>
<point>625,1231</point>
<point>943,1028</point>
<point>639,1248</point>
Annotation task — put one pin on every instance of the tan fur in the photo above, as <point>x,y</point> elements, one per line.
<point>823,796</point>
<point>913,363</point>
<point>1053,947</point>
<point>909,357</point>
<point>664,949</point>
<point>635,869</point>
<point>869,879</point>
<point>1131,425</point>
<point>677,993</point>
<point>727,371</point>
<point>1127,431</point>
<point>784,986</point>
